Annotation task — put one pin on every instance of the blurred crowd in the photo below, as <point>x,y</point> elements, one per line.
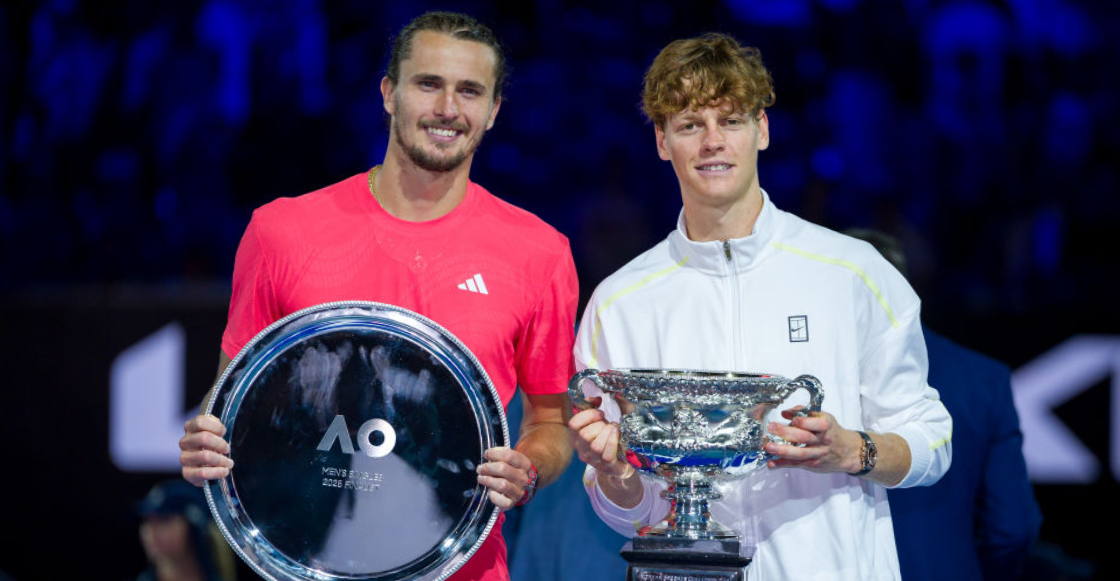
<point>138,136</point>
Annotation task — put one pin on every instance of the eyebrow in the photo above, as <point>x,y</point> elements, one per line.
<point>693,116</point>
<point>422,77</point>
<point>467,83</point>
<point>477,86</point>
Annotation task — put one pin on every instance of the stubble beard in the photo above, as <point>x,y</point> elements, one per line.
<point>427,161</point>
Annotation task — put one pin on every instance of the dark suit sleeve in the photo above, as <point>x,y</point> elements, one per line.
<point>1009,517</point>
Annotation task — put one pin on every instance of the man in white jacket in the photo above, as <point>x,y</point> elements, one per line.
<point>743,286</point>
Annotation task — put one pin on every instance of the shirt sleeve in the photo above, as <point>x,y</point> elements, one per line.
<point>544,354</point>
<point>253,303</point>
<point>590,352</point>
<point>626,521</point>
<point>897,398</point>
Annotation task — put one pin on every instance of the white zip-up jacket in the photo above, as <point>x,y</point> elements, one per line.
<point>792,298</point>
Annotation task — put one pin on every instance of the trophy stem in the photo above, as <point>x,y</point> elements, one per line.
<point>690,494</point>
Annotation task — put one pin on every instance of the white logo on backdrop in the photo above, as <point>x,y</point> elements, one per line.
<point>1053,452</point>
<point>146,399</point>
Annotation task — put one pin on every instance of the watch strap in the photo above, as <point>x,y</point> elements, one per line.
<point>866,455</point>
<point>531,488</point>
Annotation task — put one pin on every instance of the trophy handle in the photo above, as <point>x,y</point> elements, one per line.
<point>816,398</point>
<point>575,392</point>
<point>580,403</point>
<point>810,384</point>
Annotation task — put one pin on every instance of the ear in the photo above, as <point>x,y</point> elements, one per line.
<point>387,94</point>
<point>662,150</point>
<point>494,113</point>
<point>763,130</point>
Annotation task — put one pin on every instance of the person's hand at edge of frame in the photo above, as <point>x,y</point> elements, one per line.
<point>203,451</point>
<point>507,475</point>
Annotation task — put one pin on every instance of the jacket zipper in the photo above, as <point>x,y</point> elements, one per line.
<point>736,310</point>
<point>739,361</point>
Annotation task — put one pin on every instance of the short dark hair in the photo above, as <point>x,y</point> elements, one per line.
<point>458,25</point>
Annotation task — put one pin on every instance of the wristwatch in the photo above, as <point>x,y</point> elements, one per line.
<point>531,488</point>
<point>868,454</point>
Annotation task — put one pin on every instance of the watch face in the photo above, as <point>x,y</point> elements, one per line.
<point>355,429</point>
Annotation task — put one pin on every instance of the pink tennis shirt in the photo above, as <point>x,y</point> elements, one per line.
<point>497,277</point>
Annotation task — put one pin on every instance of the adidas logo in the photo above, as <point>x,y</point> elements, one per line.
<point>474,284</point>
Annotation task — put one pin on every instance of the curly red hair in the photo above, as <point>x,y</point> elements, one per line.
<point>709,70</point>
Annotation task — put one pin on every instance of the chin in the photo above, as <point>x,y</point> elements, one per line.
<point>438,163</point>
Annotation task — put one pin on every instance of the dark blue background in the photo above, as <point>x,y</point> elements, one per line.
<point>137,137</point>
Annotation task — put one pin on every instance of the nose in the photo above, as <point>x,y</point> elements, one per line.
<point>447,106</point>
<point>713,139</point>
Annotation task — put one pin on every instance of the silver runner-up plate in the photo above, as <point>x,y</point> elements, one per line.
<point>355,429</point>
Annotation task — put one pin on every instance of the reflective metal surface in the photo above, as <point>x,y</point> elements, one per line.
<point>355,429</point>
<point>693,427</point>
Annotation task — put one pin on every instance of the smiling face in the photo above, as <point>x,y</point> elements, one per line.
<point>445,100</point>
<point>714,152</point>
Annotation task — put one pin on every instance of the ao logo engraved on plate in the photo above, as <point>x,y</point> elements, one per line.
<point>339,432</point>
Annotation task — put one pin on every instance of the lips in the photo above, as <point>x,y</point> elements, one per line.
<point>714,167</point>
<point>443,132</point>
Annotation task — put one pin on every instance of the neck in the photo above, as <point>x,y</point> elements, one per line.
<point>414,194</point>
<point>704,223</point>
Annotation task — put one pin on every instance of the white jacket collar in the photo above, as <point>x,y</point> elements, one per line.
<point>712,257</point>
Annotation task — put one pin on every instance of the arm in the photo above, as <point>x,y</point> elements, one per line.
<point>622,498</point>
<point>830,448</point>
<point>896,398</point>
<point>543,444</point>
<point>596,442</point>
<point>544,437</point>
<point>901,413</point>
<point>203,450</point>
<point>543,360</point>
<point>253,307</point>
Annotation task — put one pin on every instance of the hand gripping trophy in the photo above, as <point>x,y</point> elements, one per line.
<point>692,428</point>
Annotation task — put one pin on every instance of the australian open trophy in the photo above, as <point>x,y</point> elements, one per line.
<point>692,428</point>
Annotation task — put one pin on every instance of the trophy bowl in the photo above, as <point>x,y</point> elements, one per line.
<point>692,428</point>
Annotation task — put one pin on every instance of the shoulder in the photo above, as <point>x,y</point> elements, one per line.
<point>858,277</point>
<point>312,216</point>
<point>332,198</point>
<point>515,223</point>
<point>644,270</point>
<point>813,241</point>
<point>813,245</point>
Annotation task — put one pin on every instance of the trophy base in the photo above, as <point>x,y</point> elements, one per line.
<point>676,559</point>
<point>672,528</point>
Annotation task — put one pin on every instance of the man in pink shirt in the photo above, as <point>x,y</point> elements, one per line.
<point>417,233</point>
